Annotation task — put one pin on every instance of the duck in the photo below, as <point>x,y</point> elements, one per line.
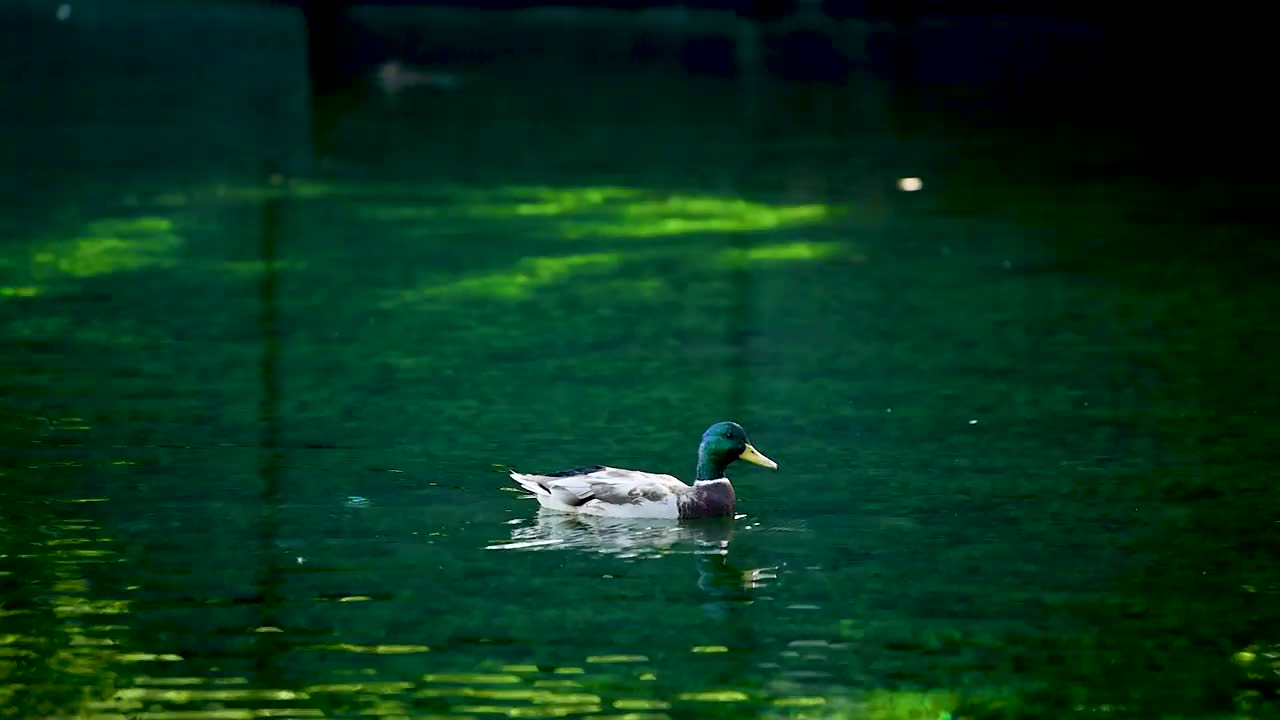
<point>615,492</point>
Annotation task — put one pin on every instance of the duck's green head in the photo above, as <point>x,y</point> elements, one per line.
<point>723,443</point>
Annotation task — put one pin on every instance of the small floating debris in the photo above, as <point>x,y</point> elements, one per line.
<point>910,184</point>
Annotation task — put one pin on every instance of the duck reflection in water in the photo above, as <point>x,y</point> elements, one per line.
<point>706,541</point>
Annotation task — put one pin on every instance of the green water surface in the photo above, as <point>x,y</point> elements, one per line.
<point>264,365</point>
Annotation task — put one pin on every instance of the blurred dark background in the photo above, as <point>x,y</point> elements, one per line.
<point>1190,83</point>
<point>1187,88</point>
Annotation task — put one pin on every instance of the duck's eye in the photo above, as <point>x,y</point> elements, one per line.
<point>728,435</point>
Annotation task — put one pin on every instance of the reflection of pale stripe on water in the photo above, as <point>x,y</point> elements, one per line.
<point>624,537</point>
<point>525,544</point>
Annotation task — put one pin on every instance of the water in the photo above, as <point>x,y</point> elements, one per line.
<point>255,420</point>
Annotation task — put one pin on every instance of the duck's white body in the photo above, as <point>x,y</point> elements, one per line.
<point>614,492</point>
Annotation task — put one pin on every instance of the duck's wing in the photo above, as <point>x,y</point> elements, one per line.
<point>578,486</point>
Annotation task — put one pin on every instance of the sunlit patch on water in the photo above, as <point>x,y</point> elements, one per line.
<point>783,252</point>
<point>58,639</point>
<point>616,212</point>
<point>522,279</point>
<point>110,245</point>
<point>719,696</point>
<point>373,649</point>
<point>601,659</point>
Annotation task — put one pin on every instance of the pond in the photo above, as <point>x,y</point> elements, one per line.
<point>265,371</point>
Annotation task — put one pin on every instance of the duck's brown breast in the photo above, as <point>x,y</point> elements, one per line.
<point>709,498</point>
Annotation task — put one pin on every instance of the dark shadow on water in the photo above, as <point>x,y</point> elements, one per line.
<point>269,645</point>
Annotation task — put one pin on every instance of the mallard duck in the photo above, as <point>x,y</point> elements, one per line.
<point>601,490</point>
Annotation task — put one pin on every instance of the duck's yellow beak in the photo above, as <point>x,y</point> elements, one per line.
<point>755,457</point>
